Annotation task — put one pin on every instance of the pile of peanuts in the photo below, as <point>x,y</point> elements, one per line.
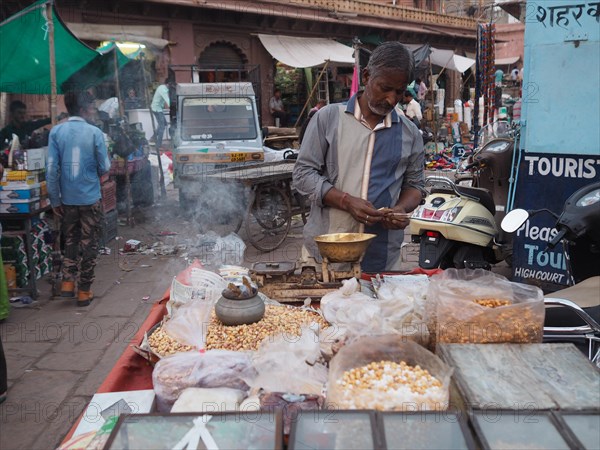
<point>492,302</point>
<point>387,385</point>
<point>514,325</point>
<point>277,319</point>
<point>164,345</point>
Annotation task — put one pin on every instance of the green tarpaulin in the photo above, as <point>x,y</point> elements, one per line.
<point>25,61</point>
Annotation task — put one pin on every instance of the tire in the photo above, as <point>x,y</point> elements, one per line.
<point>470,253</point>
<point>269,219</point>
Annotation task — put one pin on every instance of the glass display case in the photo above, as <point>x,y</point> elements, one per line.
<point>519,429</point>
<point>248,430</point>
<point>425,430</point>
<point>334,430</point>
<point>585,427</point>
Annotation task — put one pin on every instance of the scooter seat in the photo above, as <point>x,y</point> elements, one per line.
<point>483,195</point>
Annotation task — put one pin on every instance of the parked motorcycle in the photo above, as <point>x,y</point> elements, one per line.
<point>573,314</point>
<point>459,226</point>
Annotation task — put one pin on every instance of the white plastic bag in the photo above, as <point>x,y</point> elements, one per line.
<point>456,314</point>
<point>289,364</point>
<point>350,309</point>
<point>208,400</point>
<point>189,323</point>
<point>211,369</point>
<point>402,301</point>
<point>397,396</point>
<point>204,285</point>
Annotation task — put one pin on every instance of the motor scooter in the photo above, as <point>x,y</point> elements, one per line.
<point>573,313</point>
<point>458,226</point>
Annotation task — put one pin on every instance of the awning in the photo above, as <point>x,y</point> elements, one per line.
<point>24,53</point>
<point>151,35</point>
<point>507,61</point>
<point>447,59</point>
<point>514,7</point>
<point>307,52</point>
<point>450,60</point>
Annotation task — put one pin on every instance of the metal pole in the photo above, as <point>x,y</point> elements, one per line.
<point>433,106</point>
<point>161,175</point>
<point>52,58</point>
<point>356,44</point>
<point>118,81</point>
<point>312,92</point>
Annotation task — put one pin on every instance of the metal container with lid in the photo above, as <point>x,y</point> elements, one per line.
<point>240,304</point>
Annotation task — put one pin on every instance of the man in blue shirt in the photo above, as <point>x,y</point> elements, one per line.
<point>77,158</point>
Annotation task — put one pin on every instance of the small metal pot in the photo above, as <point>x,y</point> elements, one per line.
<point>233,311</point>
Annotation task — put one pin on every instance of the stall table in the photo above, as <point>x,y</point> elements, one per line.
<point>25,229</point>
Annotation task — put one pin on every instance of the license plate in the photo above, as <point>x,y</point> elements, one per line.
<point>238,157</point>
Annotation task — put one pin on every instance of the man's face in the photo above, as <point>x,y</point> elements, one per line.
<point>385,90</point>
<point>19,116</point>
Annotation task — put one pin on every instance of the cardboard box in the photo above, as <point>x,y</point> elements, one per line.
<point>102,406</point>
<point>35,158</point>
<point>33,191</point>
<point>24,176</point>
<point>20,207</point>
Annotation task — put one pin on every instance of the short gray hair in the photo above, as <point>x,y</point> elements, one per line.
<point>391,55</point>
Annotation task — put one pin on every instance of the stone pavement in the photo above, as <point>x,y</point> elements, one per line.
<point>58,354</point>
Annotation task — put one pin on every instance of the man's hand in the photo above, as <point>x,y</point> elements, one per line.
<point>58,211</point>
<point>397,219</point>
<point>362,210</point>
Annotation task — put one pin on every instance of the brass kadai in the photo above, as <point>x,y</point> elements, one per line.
<point>343,247</point>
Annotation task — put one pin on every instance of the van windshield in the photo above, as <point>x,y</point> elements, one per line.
<point>217,118</point>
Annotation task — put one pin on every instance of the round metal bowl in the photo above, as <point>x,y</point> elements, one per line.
<point>343,247</point>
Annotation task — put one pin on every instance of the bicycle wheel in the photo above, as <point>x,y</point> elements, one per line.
<point>269,220</point>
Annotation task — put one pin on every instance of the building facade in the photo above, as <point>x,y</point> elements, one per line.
<point>211,33</point>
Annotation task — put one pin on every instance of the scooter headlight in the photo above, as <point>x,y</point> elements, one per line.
<point>450,214</point>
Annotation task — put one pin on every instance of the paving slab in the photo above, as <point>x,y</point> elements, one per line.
<point>66,415</point>
<point>77,361</point>
<point>32,405</point>
<point>20,358</point>
<point>90,334</point>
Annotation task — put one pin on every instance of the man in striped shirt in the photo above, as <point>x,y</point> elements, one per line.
<point>358,159</point>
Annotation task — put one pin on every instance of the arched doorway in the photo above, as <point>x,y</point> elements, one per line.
<point>222,61</point>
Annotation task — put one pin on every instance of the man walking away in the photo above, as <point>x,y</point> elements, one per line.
<point>77,158</point>
<point>160,101</point>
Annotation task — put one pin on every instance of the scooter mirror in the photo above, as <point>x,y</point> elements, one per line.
<point>513,220</point>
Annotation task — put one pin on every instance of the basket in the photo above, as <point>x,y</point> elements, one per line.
<point>109,196</point>
<point>121,167</point>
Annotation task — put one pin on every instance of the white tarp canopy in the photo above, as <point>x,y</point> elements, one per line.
<point>507,61</point>
<point>451,61</point>
<point>447,59</point>
<point>144,34</point>
<point>306,52</point>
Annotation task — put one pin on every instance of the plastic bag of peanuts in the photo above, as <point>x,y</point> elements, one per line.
<point>210,369</point>
<point>480,307</point>
<point>387,373</point>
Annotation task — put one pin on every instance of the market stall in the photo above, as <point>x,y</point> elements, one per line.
<point>375,353</point>
<point>51,60</point>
